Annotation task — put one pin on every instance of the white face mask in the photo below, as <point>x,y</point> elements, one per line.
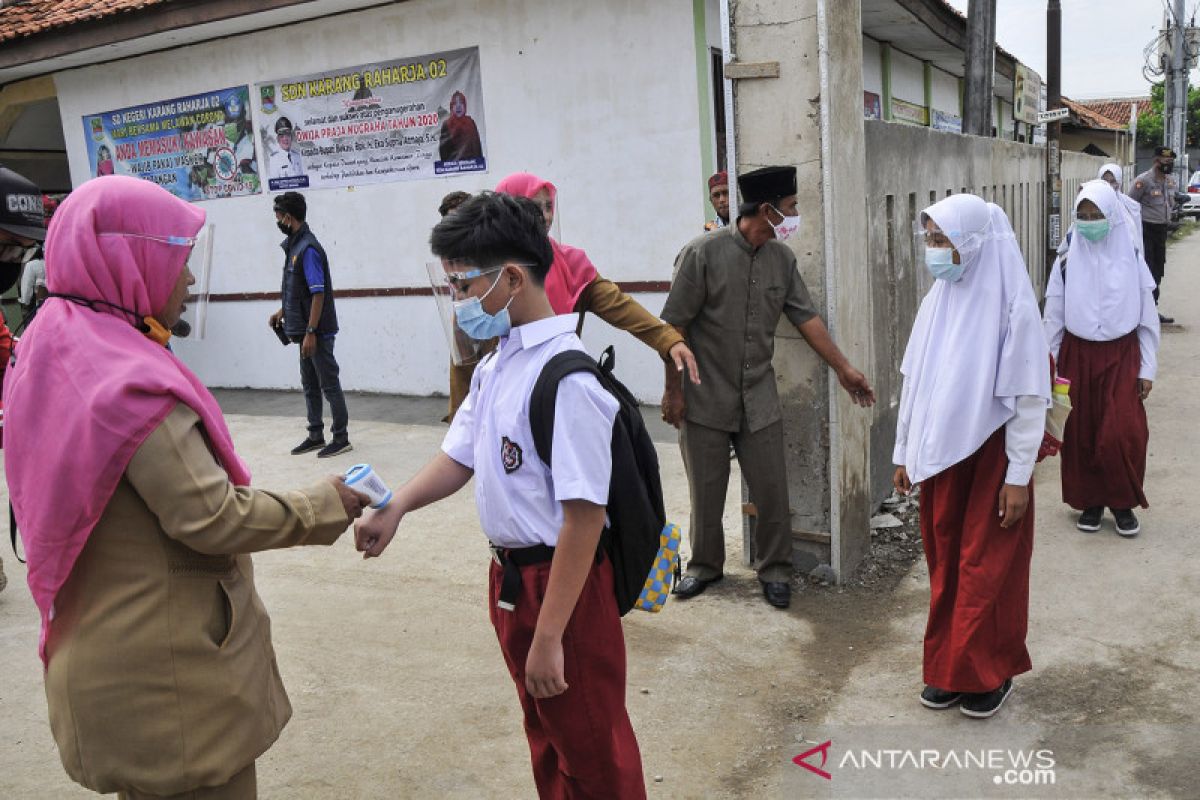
<point>787,227</point>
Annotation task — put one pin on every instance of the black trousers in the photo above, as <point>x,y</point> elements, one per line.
<point>319,375</point>
<point>1154,243</point>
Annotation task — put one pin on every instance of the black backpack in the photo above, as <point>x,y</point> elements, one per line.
<point>635,499</point>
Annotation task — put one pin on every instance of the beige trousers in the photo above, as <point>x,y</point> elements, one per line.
<point>242,786</point>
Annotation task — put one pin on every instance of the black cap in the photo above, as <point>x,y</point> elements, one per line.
<point>767,185</point>
<point>22,212</point>
<point>1164,152</point>
<point>284,125</point>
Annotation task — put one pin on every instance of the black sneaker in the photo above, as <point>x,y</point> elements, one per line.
<point>982,706</point>
<point>934,697</point>
<point>1166,320</point>
<point>1127,522</point>
<point>307,446</point>
<point>335,448</point>
<point>1090,519</point>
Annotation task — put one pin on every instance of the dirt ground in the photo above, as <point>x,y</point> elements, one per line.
<point>399,690</point>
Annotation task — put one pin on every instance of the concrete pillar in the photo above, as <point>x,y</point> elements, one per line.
<point>811,116</point>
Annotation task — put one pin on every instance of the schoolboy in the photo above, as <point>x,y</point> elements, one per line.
<point>551,596</point>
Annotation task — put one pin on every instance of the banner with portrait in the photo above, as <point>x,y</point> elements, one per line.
<point>198,147</point>
<point>399,120</point>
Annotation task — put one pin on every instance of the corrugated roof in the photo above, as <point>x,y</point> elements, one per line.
<point>21,18</point>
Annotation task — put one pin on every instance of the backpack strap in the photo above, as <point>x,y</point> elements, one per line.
<point>545,395</point>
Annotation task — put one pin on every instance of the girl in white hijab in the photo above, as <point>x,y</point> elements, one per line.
<point>1103,330</point>
<point>972,413</point>
<point>1113,175</point>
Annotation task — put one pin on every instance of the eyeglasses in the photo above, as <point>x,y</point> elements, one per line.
<point>180,241</point>
<point>459,280</point>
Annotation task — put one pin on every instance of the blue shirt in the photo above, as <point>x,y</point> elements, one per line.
<point>314,271</point>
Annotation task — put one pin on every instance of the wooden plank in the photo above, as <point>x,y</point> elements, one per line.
<point>740,70</point>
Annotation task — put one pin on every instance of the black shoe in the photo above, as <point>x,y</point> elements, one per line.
<point>778,593</point>
<point>1127,522</point>
<point>1166,320</point>
<point>335,448</point>
<point>307,446</point>
<point>934,697</point>
<point>1089,520</point>
<point>982,706</point>
<point>690,586</point>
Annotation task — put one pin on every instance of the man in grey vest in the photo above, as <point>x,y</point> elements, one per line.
<point>308,316</point>
<point>1155,189</point>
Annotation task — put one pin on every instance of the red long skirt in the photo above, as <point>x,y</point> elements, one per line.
<point>581,743</point>
<point>978,575</point>
<point>1104,447</point>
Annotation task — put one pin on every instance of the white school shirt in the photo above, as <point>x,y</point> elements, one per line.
<point>519,499</point>
<point>1055,321</point>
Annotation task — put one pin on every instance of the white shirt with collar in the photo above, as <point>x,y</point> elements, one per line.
<point>519,499</point>
<point>285,164</point>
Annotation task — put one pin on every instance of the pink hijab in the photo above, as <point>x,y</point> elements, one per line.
<point>571,271</point>
<point>87,387</point>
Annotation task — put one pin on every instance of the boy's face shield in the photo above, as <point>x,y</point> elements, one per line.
<point>451,281</point>
<point>199,263</point>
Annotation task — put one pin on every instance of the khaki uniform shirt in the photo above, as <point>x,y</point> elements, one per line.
<point>1156,193</point>
<point>729,298</point>
<point>161,676</point>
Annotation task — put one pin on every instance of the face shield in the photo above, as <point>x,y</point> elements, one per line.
<point>448,280</point>
<point>199,263</point>
<point>550,208</point>
<point>928,235</point>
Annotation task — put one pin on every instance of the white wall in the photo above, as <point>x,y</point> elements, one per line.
<point>944,88</point>
<point>908,78</point>
<point>599,97</point>
<point>872,66</point>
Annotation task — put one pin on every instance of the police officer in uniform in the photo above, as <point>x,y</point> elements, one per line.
<point>285,162</point>
<point>1155,189</point>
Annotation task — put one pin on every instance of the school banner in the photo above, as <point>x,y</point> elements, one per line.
<point>400,120</point>
<point>198,147</point>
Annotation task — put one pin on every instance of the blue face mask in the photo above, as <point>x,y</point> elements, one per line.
<point>477,323</point>
<point>940,261</point>
<point>1092,229</point>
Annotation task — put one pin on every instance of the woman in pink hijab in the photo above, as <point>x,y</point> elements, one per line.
<point>137,515</point>
<point>574,286</point>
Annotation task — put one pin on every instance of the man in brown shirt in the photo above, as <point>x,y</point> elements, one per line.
<point>730,288</point>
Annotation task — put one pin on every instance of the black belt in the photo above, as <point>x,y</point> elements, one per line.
<point>511,560</point>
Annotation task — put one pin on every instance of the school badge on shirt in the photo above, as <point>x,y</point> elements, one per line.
<point>510,455</point>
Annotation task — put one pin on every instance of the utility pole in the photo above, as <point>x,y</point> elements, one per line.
<point>1177,130</point>
<point>1054,226</point>
<point>981,65</point>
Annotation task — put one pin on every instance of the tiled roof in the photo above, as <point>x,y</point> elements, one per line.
<point>1091,118</point>
<point>21,18</point>
<point>1117,108</point>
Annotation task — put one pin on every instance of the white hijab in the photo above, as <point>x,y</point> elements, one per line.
<point>976,346</point>
<point>1104,280</point>
<point>1133,207</point>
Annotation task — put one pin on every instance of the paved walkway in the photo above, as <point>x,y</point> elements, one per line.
<point>399,689</point>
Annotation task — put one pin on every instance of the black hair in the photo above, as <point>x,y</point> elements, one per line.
<point>452,201</point>
<point>292,203</point>
<point>491,228</point>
